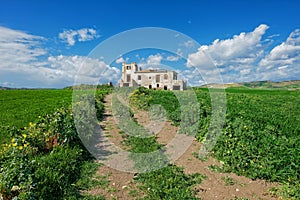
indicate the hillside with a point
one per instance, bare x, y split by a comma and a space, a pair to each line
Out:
291, 85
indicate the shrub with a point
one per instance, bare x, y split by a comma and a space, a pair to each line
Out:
140, 98
55, 171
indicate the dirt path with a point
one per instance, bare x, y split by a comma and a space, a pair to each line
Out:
121, 184
215, 186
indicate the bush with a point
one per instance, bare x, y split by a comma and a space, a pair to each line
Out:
55, 171
140, 98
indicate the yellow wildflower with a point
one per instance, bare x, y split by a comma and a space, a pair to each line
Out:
12, 140
14, 144
24, 135
20, 147
25, 145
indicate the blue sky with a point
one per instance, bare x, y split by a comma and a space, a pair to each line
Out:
44, 43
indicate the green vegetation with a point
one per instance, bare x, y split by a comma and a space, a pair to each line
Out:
228, 180
269, 85
169, 183
260, 139
159, 180
216, 168
19, 107
46, 159
273, 85
261, 134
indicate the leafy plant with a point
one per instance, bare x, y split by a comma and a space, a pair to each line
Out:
228, 180
169, 183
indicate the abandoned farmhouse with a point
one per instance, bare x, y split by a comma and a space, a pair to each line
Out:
132, 75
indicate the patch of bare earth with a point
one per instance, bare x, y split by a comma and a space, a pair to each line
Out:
121, 184
216, 185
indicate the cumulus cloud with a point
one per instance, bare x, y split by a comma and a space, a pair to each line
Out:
24, 63
235, 57
71, 36
283, 61
60, 71
242, 48
84, 69
154, 59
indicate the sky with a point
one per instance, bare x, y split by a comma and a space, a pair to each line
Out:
54, 44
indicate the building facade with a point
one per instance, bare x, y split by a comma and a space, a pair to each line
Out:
132, 75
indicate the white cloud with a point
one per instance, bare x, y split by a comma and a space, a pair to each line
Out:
244, 57
6, 84
24, 63
283, 62
84, 69
173, 58
82, 35
60, 71
121, 60
154, 59
18, 49
189, 44
235, 57
243, 46
87, 34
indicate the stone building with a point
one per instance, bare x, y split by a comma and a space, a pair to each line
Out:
132, 75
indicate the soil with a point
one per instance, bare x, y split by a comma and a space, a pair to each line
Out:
214, 186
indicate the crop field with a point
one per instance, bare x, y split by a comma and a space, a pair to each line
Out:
19, 107
261, 134
260, 139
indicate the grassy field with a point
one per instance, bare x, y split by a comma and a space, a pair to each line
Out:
261, 134
19, 107
260, 137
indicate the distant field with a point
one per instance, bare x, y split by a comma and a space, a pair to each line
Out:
284, 85
19, 107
